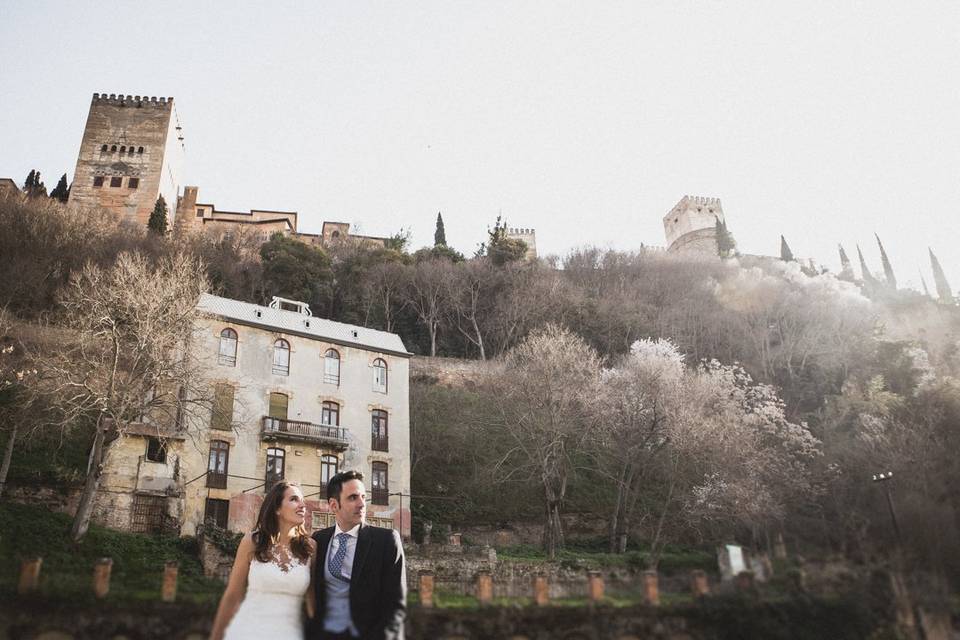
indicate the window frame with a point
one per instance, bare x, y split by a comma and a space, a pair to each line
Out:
327, 461
279, 369
330, 408
271, 405
116, 182
219, 506
379, 492
97, 182
380, 375
221, 414
330, 378
133, 183
215, 478
379, 430
223, 357
274, 453
156, 450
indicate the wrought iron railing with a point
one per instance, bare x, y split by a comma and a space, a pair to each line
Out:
301, 430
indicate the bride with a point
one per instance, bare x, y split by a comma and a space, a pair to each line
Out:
271, 574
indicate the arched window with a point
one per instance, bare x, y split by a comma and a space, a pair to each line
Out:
380, 375
331, 367
123, 148
330, 413
228, 348
335, 234
113, 148
281, 357
103, 149
378, 430
139, 149
275, 468
328, 469
217, 464
379, 486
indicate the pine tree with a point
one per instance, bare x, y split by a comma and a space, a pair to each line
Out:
846, 269
158, 219
785, 254
887, 267
440, 235
940, 280
61, 192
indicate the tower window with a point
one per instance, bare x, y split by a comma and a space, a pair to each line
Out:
113, 149
199, 212
116, 181
133, 183
123, 149
103, 149
139, 149
97, 181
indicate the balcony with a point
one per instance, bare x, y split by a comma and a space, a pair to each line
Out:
379, 442
280, 429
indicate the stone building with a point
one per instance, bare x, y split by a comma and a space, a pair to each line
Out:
690, 226
294, 397
131, 153
529, 237
8, 187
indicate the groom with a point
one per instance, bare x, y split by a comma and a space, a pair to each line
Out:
359, 581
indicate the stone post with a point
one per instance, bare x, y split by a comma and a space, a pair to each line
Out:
169, 591
426, 588
484, 587
29, 575
699, 583
101, 577
427, 528
541, 590
651, 588
744, 581
454, 540
595, 586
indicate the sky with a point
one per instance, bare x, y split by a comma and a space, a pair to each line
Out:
825, 122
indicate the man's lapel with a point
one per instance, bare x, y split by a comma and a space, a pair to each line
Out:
323, 543
364, 540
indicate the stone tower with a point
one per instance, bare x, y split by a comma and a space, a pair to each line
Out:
691, 225
529, 237
131, 153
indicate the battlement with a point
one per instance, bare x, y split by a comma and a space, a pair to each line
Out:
128, 100
701, 200
518, 232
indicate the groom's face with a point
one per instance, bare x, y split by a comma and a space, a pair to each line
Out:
352, 505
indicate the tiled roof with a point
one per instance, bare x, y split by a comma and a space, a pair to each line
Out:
303, 325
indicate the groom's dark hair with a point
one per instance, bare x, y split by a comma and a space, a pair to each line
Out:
335, 484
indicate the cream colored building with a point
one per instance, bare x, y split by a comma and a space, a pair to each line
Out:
294, 397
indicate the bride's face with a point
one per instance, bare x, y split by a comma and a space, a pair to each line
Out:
292, 510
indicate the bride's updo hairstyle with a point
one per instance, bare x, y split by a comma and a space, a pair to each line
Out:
266, 533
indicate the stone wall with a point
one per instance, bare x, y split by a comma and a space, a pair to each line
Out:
454, 372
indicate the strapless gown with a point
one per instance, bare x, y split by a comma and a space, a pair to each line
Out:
273, 603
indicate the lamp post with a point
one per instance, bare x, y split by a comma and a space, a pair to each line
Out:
885, 478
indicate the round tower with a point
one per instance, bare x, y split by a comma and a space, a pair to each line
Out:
690, 226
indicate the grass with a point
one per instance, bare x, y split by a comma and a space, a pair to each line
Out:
674, 559
138, 560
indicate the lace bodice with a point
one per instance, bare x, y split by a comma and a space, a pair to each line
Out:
272, 605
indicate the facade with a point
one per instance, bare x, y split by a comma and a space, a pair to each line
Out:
8, 187
194, 216
131, 153
690, 226
294, 397
528, 236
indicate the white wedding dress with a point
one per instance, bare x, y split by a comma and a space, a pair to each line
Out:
274, 600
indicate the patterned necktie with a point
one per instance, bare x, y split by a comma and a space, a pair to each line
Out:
336, 562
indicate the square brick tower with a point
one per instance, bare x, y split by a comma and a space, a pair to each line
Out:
131, 153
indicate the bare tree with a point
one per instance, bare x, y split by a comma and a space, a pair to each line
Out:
129, 360
426, 293
383, 289
470, 294
545, 392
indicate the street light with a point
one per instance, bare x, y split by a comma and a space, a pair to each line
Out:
885, 477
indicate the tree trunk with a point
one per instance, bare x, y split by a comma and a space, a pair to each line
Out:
476, 329
81, 521
655, 545
433, 339
7, 456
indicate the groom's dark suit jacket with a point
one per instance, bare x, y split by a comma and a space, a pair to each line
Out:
378, 584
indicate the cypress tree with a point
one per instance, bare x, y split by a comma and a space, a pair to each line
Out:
726, 245
940, 280
158, 219
31, 181
887, 267
867, 276
61, 192
846, 269
440, 235
785, 254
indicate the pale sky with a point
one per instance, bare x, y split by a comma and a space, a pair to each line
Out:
587, 121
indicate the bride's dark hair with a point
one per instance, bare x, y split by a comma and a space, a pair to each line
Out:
267, 530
